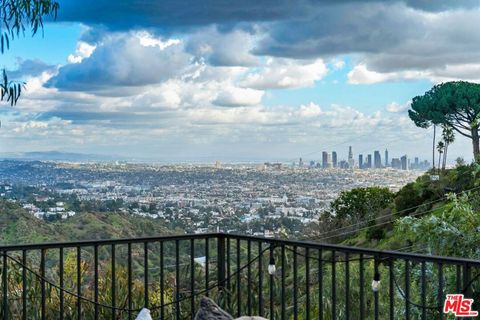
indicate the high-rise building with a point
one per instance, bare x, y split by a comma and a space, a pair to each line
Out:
404, 162
396, 163
386, 158
300, 162
351, 162
369, 161
324, 159
329, 160
360, 161
312, 163
377, 160
334, 159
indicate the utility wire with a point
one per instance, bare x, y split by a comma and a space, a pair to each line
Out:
378, 224
389, 215
401, 211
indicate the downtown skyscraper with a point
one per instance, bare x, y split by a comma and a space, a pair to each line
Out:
377, 160
351, 162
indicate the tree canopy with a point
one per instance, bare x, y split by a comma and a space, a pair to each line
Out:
450, 231
16, 17
455, 104
361, 203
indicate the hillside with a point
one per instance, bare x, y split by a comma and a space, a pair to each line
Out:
17, 226
438, 214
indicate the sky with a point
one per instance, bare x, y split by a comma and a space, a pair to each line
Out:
270, 80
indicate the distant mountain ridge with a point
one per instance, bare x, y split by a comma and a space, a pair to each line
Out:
59, 156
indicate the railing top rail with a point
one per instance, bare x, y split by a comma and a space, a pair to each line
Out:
304, 244
359, 250
91, 243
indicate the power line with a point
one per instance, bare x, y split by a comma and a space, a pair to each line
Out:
395, 213
378, 224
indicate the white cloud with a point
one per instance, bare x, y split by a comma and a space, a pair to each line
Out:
161, 93
34, 127
280, 73
310, 110
149, 40
84, 50
222, 48
395, 107
121, 60
360, 74
236, 97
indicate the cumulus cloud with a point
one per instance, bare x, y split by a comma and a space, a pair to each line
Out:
286, 73
199, 75
148, 40
222, 48
360, 74
388, 37
121, 60
236, 97
84, 50
395, 107
40, 127
394, 40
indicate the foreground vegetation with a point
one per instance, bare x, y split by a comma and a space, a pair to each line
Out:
437, 214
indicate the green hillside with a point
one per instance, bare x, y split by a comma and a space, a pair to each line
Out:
18, 226
438, 214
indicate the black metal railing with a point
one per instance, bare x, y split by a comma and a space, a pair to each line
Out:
277, 279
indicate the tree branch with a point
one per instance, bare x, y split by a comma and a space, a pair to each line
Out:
461, 132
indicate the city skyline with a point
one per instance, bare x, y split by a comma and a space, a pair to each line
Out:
373, 159
165, 82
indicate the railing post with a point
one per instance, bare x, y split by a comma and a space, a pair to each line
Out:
221, 262
467, 288
5, 285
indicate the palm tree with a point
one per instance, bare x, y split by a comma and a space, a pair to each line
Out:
449, 138
433, 145
440, 148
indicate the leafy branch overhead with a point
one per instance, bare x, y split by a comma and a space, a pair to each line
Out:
18, 16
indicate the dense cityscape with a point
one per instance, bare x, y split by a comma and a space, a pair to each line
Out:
261, 199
